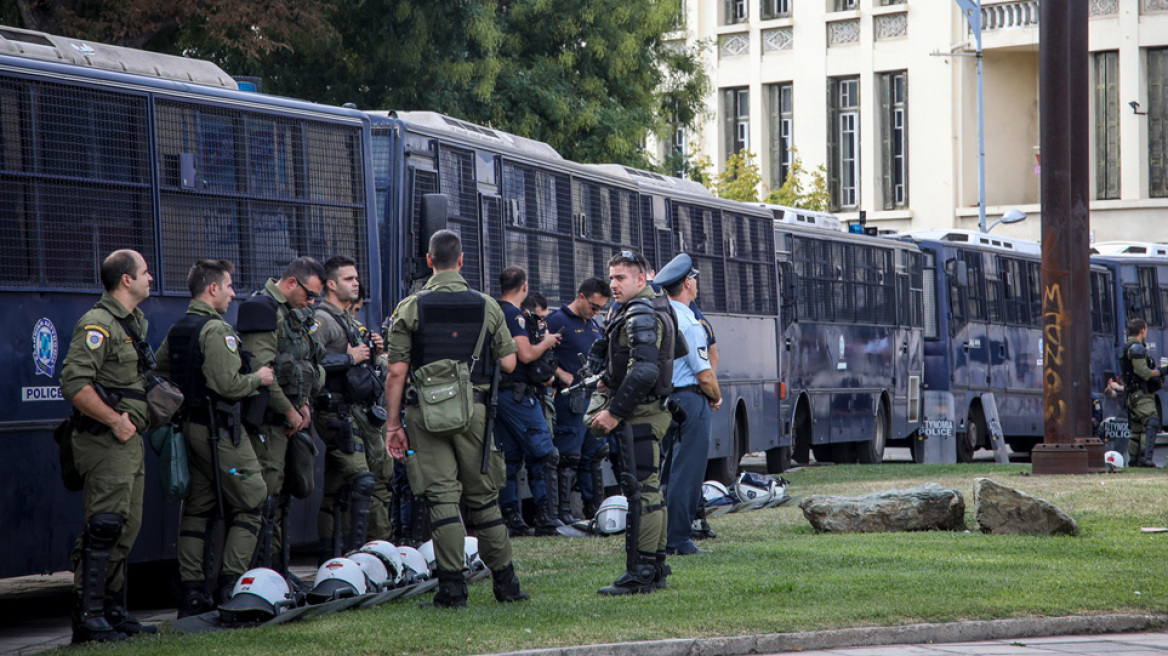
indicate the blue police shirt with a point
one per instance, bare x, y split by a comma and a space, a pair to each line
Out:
517, 324
686, 369
576, 337
710, 339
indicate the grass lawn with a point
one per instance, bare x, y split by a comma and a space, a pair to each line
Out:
769, 572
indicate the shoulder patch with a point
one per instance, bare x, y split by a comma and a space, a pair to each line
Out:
704, 353
314, 327
232, 343
100, 329
521, 322
94, 339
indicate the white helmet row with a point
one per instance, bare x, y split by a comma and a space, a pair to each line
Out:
389, 556
414, 567
259, 594
474, 562
337, 578
377, 576
611, 516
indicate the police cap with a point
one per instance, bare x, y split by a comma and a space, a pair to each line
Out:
679, 268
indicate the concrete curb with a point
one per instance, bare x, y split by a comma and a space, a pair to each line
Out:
870, 636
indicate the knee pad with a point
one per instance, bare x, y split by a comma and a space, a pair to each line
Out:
363, 484
104, 529
552, 459
570, 459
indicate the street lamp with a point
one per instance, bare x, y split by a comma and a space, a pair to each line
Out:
1011, 216
971, 9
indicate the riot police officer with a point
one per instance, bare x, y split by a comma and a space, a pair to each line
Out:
376, 458
347, 404
201, 355
1141, 380
103, 379
641, 342
448, 322
276, 326
524, 428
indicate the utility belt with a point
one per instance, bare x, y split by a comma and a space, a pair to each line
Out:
335, 403
110, 396
521, 390
411, 397
226, 417
696, 389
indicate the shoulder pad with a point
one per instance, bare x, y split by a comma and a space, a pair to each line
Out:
639, 305
1137, 350
258, 314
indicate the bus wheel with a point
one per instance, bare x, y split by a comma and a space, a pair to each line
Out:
872, 451
974, 434
726, 469
778, 459
827, 453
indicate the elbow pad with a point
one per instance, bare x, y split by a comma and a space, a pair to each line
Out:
641, 379
335, 363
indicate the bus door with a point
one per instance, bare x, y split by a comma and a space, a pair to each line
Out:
1000, 340
970, 342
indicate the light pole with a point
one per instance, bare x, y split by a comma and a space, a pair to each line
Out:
971, 9
1011, 216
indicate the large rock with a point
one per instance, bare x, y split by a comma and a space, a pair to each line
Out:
923, 508
1001, 509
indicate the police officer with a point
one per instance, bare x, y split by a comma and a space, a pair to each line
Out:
642, 344
201, 355
695, 389
580, 452
351, 390
275, 326
375, 456
103, 379
1141, 380
441, 323
524, 427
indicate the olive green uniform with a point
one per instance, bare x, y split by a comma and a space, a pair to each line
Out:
240, 478
447, 470
377, 459
1141, 406
340, 468
294, 358
114, 472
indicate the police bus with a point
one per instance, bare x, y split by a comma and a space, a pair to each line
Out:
983, 342
1139, 279
517, 202
104, 148
851, 356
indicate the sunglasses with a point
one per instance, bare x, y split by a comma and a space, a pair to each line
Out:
596, 308
312, 296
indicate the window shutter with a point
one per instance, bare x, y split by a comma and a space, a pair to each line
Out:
775, 128
728, 12
833, 172
1157, 116
886, 125
728, 122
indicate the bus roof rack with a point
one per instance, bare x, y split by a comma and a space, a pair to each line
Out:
802, 217
977, 239
1130, 248
651, 179
449, 124
90, 54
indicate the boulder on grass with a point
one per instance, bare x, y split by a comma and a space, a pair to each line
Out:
925, 508
1004, 510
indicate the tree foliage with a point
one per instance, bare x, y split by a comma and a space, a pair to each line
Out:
591, 77
794, 192
740, 178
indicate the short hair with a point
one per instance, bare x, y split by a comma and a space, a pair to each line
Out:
118, 264
630, 258
511, 279
673, 290
445, 247
336, 263
534, 301
1135, 325
205, 272
303, 269
593, 286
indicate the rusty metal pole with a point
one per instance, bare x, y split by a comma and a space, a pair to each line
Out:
1064, 96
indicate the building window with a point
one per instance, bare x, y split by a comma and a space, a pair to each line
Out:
889, 3
781, 132
1106, 67
894, 137
736, 109
1158, 122
677, 149
845, 5
678, 22
844, 142
775, 8
735, 11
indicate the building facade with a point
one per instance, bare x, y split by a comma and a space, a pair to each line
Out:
883, 93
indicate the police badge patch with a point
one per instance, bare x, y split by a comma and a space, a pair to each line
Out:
232, 344
521, 322
704, 353
94, 339
44, 347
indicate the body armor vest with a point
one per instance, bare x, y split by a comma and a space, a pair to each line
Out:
297, 355
357, 384
448, 327
543, 367
186, 359
1132, 382
671, 347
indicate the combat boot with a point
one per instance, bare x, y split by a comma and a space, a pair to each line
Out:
89, 626
89, 617
640, 579
545, 523
567, 478
451, 592
194, 601
661, 571
506, 586
516, 527
223, 588
120, 619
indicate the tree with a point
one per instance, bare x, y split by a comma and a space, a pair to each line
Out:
740, 178
792, 192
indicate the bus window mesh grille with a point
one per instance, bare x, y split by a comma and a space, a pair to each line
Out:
457, 171
75, 177
538, 230
495, 254
607, 221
